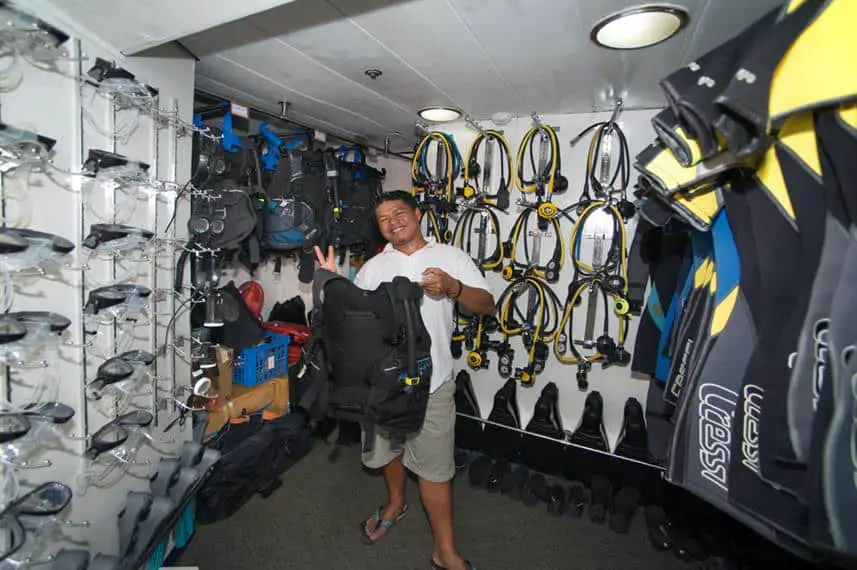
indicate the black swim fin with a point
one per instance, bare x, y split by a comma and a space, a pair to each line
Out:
497, 441
634, 439
539, 453
468, 432
590, 432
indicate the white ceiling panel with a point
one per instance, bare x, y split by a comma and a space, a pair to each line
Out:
283, 65
431, 37
353, 52
534, 45
483, 56
132, 26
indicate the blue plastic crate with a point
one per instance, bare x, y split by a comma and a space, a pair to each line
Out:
262, 362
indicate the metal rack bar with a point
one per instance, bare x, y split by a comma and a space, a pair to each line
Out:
564, 442
76, 50
286, 121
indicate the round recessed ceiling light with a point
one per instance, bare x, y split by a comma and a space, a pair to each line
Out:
439, 114
639, 27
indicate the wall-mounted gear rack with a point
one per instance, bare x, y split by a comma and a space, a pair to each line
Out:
564, 442
216, 109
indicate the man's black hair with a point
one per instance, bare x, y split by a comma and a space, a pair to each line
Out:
400, 195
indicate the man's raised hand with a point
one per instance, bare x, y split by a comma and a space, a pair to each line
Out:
326, 262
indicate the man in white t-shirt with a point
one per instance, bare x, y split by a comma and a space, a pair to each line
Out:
446, 274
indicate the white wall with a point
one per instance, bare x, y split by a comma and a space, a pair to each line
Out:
615, 384
50, 104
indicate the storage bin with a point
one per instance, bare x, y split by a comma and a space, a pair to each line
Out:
262, 362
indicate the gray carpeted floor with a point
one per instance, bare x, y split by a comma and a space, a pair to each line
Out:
312, 522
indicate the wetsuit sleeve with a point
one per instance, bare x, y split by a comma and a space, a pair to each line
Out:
467, 272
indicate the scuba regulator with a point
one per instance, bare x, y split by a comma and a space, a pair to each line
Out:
474, 170
545, 180
606, 275
537, 327
434, 187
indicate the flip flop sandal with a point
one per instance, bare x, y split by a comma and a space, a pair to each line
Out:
385, 524
467, 563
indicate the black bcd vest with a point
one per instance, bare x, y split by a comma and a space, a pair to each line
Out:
369, 359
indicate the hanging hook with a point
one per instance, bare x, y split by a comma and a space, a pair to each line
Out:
616, 110
28, 465
473, 124
20, 364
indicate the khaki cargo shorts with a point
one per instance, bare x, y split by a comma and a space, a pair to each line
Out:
428, 453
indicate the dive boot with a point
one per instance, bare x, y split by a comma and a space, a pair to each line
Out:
576, 500
538, 453
535, 490
499, 471
659, 528
590, 433
633, 440
599, 499
468, 432
623, 508
480, 470
516, 483
556, 499
462, 459
499, 442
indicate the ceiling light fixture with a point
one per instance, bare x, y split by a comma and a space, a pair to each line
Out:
439, 114
639, 27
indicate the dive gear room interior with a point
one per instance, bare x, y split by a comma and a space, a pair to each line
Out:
248, 246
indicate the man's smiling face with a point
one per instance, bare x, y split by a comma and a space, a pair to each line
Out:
398, 222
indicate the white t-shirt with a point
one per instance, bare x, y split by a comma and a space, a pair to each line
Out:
436, 313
